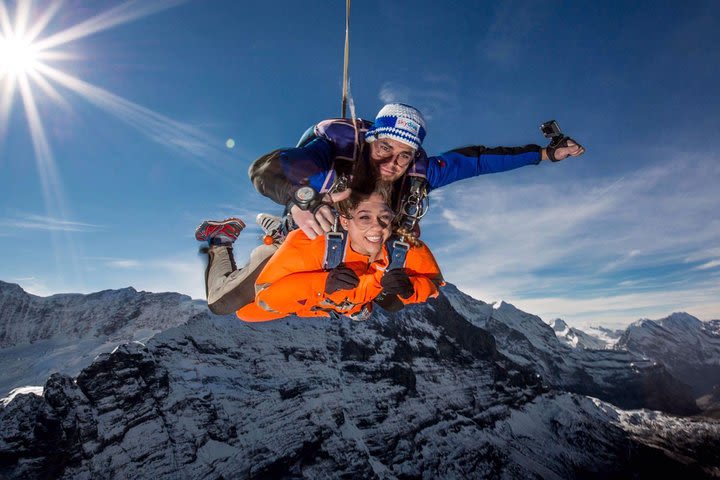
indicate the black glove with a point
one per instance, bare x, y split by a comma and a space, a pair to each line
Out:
388, 302
559, 142
341, 278
397, 282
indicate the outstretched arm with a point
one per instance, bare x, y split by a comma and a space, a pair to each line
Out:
468, 162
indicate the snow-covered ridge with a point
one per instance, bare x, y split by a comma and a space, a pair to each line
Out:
595, 338
686, 346
64, 333
26, 318
455, 388
421, 393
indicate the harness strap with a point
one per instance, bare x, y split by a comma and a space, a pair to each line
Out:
334, 250
397, 253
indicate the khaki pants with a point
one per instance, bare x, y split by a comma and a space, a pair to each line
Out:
228, 289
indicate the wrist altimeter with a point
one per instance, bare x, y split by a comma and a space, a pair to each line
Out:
306, 198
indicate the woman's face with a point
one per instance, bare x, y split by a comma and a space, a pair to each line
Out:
369, 226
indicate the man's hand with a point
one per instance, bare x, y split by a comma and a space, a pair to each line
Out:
314, 224
572, 149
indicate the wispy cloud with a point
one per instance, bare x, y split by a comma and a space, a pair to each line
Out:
619, 310
124, 264
40, 222
709, 265
432, 94
544, 246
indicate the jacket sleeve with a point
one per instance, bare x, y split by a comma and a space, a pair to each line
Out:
469, 162
293, 278
278, 174
424, 274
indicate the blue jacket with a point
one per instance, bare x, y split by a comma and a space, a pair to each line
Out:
277, 174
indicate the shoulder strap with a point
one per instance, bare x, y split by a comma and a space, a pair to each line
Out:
334, 250
397, 253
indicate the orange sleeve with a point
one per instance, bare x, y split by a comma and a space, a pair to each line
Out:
293, 279
424, 274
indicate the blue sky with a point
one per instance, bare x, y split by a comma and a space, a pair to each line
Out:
109, 163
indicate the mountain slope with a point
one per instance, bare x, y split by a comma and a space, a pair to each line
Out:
687, 347
597, 339
64, 333
422, 394
620, 377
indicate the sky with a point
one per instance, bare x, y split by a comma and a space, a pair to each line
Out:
139, 119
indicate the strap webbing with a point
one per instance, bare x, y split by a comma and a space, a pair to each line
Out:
397, 251
334, 249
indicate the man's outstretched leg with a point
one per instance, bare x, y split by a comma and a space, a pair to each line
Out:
227, 287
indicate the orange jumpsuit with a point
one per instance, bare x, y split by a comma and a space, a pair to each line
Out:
293, 281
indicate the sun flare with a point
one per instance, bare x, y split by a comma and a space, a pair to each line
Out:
18, 56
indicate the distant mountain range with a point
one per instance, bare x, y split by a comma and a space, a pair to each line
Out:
455, 388
595, 338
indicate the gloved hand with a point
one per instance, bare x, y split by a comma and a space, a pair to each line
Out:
341, 278
397, 282
567, 147
321, 220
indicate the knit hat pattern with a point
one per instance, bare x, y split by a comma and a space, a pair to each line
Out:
399, 122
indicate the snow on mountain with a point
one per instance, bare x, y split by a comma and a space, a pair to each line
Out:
577, 338
620, 377
418, 394
686, 346
455, 388
64, 333
605, 335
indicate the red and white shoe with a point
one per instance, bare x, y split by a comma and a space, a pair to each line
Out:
221, 232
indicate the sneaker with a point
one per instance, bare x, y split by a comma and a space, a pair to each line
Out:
219, 232
272, 228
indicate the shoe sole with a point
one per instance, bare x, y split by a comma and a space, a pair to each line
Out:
201, 234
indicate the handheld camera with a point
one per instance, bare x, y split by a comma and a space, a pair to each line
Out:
551, 130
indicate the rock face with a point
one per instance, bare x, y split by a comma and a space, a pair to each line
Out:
64, 333
687, 347
428, 392
117, 314
620, 377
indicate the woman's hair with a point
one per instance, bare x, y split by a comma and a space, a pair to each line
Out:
383, 189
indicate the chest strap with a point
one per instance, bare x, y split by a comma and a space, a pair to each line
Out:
334, 250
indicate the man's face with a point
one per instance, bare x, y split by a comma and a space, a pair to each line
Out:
391, 158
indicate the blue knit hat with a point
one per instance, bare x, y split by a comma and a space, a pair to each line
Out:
400, 122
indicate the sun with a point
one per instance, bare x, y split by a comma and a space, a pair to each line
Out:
18, 56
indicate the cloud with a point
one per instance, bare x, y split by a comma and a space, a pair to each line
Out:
431, 94
617, 311
124, 264
40, 222
173, 274
709, 265
542, 244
